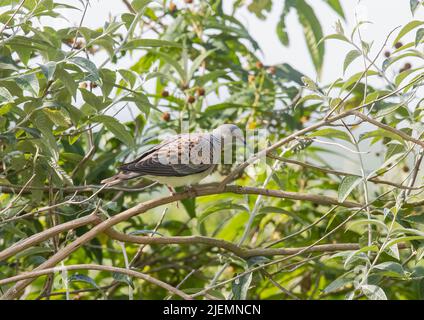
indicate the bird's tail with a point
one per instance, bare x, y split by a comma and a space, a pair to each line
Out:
118, 178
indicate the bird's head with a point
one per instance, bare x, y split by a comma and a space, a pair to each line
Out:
228, 131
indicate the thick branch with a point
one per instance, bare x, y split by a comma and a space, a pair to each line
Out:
47, 234
132, 273
229, 246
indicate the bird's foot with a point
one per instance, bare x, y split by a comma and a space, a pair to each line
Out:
191, 190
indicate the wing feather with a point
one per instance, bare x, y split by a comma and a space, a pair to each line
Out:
166, 158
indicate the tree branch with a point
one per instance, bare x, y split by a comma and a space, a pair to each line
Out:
229, 246
385, 127
36, 273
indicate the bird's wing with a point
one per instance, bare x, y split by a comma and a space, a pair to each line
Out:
185, 155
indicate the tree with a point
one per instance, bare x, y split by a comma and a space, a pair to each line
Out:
293, 227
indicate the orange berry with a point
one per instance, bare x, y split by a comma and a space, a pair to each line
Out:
259, 65
191, 99
166, 116
172, 7
200, 92
83, 85
188, 1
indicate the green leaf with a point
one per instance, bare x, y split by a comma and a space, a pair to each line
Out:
139, 5
309, 83
363, 222
335, 36
392, 149
258, 6
91, 99
67, 81
350, 57
358, 77
5, 95
83, 278
58, 117
346, 186
29, 82
373, 292
419, 36
336, 6
241, 286
108, 80
120, 277
393, 269
174, 63
413, 4
48, 69
313, 33
309, 97
32, 251
88, 66
379, 134
197, 62
402, 239
149, 43
281, 26
354, 254
339, 283
407, 28
116, 128
331, 133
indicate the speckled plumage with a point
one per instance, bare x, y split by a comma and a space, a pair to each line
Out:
181, 160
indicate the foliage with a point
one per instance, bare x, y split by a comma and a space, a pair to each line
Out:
63, 93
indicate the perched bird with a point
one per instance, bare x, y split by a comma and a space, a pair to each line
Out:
181, 160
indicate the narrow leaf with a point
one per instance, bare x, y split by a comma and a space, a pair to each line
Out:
346, 186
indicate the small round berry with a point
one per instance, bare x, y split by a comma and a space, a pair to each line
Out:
200, 92
184, 86
405, 169
398, 45
407, 66
304, 119
387, 54
78, 45
259, 65
172, 7
191, 99
188, 1
83, 85
166, 116
164, 93
93, 85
